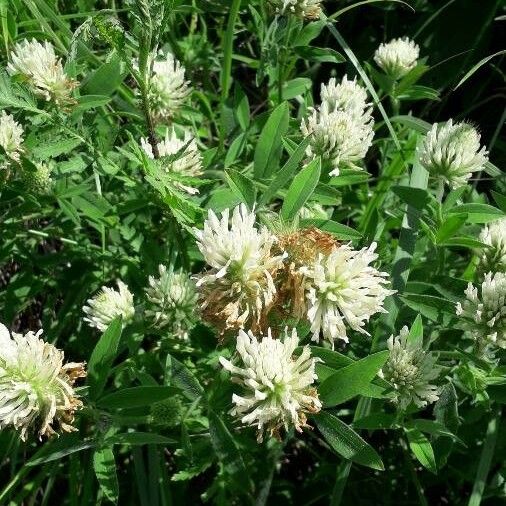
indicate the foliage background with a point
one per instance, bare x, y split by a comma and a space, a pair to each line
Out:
103, 221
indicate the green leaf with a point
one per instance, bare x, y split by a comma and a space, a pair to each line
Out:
136, 397
269, 146
463, 242
183, 379
226, 449
300, 190
422, 449
375, 421
338, 230
434, 308
416, 332
331, 358
286, 172
478, 213
59, 448
55, 148
351, 380
348, 177
241, 108
295, 87
319, 54
105, 471
346, 442
418, 198
87, 102
450, 225
106, 79
139, 438
102, 357
242, 186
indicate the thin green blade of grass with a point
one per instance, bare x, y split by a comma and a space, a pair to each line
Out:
485, 462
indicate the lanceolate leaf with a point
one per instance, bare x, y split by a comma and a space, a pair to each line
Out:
346, 442
351, 380
301, 189
102, 358
105, 470
422, 449
269, 147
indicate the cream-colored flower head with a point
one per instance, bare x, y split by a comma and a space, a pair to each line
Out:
451, 152
493, 257
277, 385
181, 156
239, 286
348, 96
338, 136
109, 304
344, 290
36, 388
410, 370
173, 301
168, 89
11, 136
38, 64
397, 57
483, 312
305, 9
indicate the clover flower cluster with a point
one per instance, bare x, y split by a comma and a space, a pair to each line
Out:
483, 312
168, 89
42, 70
109, 304
493, 257
451, 153
239, 287
11, 136
178, 156
341, 128
277, 384
397, 57
410, 370
301, 274
304, 9
36, 387
172, 299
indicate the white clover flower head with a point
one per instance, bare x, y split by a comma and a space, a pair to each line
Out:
338, 136
397, 57
451, 152
494, 236
239, 286
38, 181
36, 388
343, 289
173, 301
11, 136
347, 95
109, 304
277, 385
483, 312
409, 369
38, 64
168, 89
305, 9
181, 156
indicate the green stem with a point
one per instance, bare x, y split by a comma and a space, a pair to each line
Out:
485, 460
228, 47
